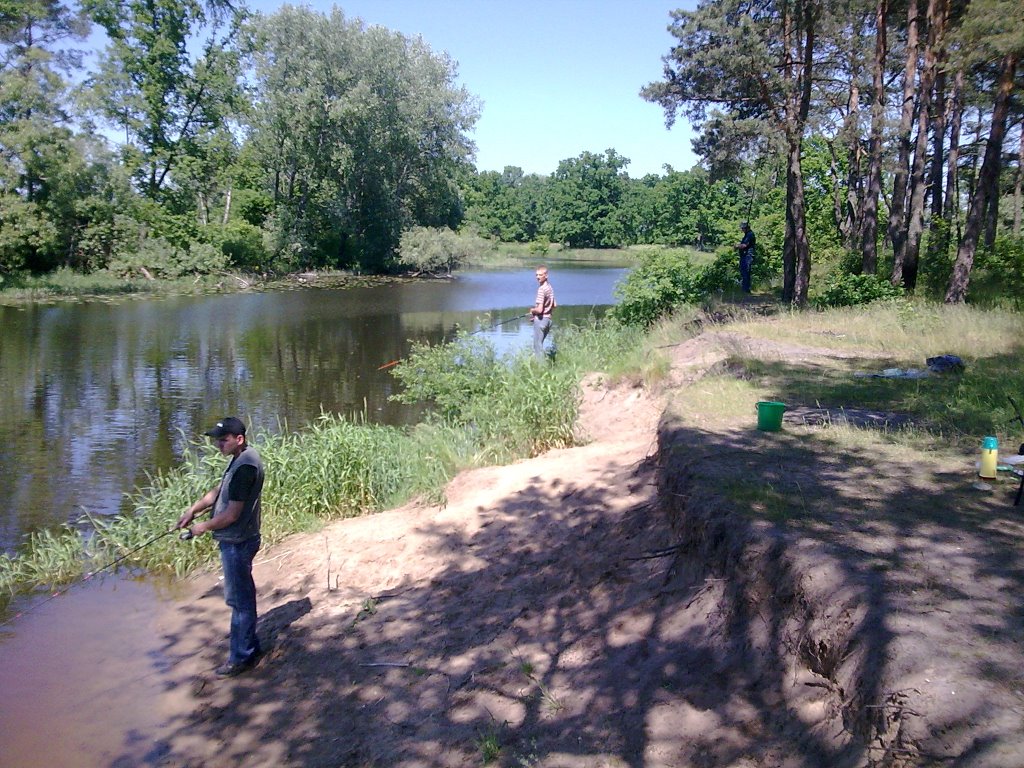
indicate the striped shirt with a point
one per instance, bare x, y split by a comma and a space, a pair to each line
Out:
545, 300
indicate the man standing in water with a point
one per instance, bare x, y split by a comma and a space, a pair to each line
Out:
541, 311
236, 528
746, 249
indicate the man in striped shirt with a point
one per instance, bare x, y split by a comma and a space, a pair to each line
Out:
541, 311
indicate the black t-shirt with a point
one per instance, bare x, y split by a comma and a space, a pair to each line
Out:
748, 240
241, 482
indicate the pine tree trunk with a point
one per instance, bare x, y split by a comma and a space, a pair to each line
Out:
789, 245
956, 108
987, 182
918, 186
939, 112
869, 216
1017, 185
847, 214
797, 208
898, 204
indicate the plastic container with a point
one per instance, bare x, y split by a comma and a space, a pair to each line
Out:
769, 415
989, 458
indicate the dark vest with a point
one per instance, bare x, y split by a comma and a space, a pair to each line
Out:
248, 523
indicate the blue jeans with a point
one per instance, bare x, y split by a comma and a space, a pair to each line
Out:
240, 595
541, 328
746, 262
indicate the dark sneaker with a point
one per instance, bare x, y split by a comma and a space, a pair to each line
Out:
233, 670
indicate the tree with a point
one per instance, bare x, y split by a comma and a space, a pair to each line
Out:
757, 63
585, 194
505, 205
36, 146
362, 133
906, 257
166, 101
898, 203
992, 32
869, 216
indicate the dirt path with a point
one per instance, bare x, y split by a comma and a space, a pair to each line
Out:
589, 607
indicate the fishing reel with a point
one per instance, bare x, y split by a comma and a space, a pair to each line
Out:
186, 534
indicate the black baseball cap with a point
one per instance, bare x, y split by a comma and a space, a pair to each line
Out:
227, 426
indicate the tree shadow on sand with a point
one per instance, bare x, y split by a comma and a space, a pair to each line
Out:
780, 599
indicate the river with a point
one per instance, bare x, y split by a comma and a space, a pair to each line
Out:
95, 394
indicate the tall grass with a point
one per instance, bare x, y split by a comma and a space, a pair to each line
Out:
486, 410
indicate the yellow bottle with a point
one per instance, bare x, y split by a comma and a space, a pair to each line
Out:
989, 458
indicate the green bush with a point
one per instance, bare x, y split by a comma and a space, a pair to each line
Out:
159, 258
426, 249
936, 265
511, 405
722, 274
663, 280
242, 245
845, 290
540, 246
999, 274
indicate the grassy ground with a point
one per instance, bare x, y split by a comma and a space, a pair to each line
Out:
959, 408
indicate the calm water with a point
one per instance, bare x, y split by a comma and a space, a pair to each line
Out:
94, 395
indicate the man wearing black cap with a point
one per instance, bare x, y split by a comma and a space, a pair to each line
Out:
235, 523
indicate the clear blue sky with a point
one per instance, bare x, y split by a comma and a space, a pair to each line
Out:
556, 77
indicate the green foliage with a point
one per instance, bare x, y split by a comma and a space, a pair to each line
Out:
585, 194
154, 90
159, 258
241, 244
540, 246
999, 273
662, 281
508, 206
936, 264
589, 202
25, 233
425, 249
666, 279
721, 274
396, 120
511, 405
842, 289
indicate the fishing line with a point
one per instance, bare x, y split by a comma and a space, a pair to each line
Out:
87, 576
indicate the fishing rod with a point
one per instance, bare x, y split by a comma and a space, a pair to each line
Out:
496, 325
186, 534
478, 330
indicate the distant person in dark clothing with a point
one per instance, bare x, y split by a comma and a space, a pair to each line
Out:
235, 524
746, 249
